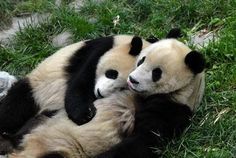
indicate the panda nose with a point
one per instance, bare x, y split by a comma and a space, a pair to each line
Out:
132, 80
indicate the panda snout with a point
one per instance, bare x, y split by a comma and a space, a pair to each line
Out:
133, 81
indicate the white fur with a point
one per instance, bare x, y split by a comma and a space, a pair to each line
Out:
107, 86
48, 78
169, 56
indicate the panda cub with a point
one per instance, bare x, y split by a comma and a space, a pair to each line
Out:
169, 80
41, 94
168, 83
117, 59
46, 87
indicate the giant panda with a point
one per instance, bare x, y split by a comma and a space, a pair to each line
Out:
44, 88
166, 86
169, 79
41, 94
47, 83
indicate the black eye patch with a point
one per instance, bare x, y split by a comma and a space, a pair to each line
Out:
112, 74
141, 61
156, 74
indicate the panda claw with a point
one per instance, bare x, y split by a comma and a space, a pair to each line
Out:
92, 112
86, 117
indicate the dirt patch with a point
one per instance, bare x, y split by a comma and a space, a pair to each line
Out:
20, 23
203, 38
62, 39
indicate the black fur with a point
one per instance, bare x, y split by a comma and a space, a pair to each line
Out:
174, 33
31, 124
112, 74
152, 39
52, 155
81, 79
141, 61
17, 107
156, 74
195, 62
158, 120
5, 145
10, 142
136, 46
49, 113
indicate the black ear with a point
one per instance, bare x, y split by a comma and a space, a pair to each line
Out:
195, 61
136, 46
174, 33
152, 39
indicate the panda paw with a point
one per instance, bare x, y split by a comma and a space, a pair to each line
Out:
5, 146
84, 117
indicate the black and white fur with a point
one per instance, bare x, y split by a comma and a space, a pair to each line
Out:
127, 124
43, 91
121, 60
170, 78
80, 94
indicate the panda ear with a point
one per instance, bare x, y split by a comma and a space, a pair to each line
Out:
195, 61
136, 46
152, 39
174, 33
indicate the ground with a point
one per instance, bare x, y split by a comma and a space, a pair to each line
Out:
213, 131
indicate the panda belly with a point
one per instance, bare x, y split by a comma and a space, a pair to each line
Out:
115, 116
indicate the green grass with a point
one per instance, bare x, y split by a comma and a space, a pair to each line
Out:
207, 137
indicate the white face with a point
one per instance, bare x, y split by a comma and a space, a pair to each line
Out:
161, 68
113, 70
108, 83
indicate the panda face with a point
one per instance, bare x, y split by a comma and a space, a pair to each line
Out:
162, 68
108, 83
113, 70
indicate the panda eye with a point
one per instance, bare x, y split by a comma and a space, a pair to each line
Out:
112, 74
141, 61
156, 74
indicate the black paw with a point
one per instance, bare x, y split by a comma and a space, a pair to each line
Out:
82, 117
5, 146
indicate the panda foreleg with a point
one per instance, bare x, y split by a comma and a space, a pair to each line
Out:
78, 109
79, 100
17, 107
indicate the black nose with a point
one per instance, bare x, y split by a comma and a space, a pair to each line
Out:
132, 80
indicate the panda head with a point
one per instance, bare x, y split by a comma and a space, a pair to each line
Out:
165, 67
114, 67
